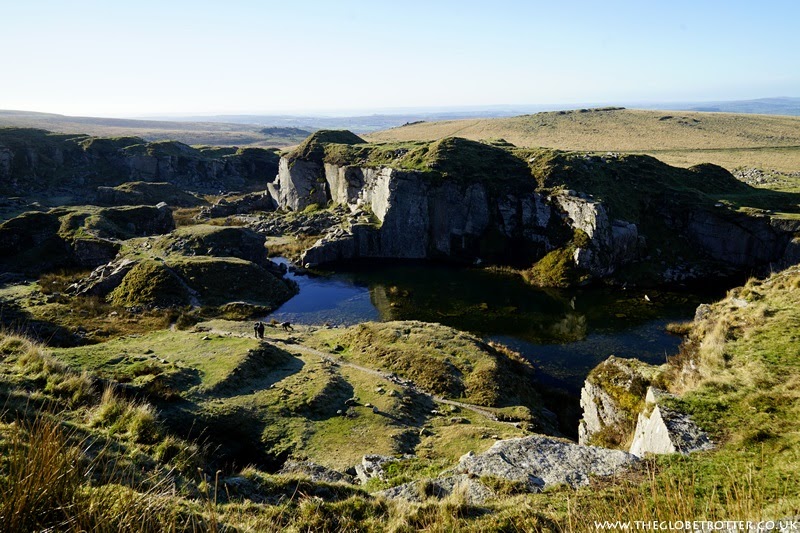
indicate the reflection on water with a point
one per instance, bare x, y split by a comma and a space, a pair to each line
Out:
564, 332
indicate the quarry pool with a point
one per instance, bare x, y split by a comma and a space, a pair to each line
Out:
565, 333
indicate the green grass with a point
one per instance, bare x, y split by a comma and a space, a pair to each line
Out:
683, 139
741, 386
191, 359
442, 361
150, 283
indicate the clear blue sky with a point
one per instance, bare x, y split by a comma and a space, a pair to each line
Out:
136, 58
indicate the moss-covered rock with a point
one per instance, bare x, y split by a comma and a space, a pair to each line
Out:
222, 280
146, 193
215, 241
150, 283
612, 397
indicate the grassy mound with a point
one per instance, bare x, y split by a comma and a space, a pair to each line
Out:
150, 283
222, 280
314, 146
677, 137
215, 241
441, 360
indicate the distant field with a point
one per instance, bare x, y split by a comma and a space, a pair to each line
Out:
192, 133
676, 137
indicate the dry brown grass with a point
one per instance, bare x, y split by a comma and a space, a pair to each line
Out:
685, 139
290, 247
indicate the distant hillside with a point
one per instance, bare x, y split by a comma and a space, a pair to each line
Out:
764, 106
676, 137
192, 133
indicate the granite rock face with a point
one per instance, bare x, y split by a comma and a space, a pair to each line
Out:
462, 209
665, 430
535, 462
741, 241
404, 214
610, 398
35, 161
542, 462
611, 243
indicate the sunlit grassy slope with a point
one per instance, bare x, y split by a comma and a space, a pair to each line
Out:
676, 137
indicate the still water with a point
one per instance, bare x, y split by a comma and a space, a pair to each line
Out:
565, 333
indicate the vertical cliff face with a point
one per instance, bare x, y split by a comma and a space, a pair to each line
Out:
567, 218
413, 216
37, 161
610, 243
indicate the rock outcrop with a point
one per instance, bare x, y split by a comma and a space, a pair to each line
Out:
664, 430
740, 240
611, 397
224, 207
404, 214
371, 466
473, 490
36, 160
589, 215
144, 193
534, 463
315, 472
610, 243
86, 237
618, 392
542, 462
224, 267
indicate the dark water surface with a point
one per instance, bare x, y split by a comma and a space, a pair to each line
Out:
565, 333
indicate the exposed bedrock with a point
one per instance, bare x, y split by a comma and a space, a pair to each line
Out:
512, 219
406, 214
622, 409
533, 463
36, 161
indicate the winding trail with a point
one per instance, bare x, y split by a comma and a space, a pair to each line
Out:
291, 345
388, 376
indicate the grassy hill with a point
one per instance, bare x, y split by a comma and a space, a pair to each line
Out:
193, 133
676, 137
151, 431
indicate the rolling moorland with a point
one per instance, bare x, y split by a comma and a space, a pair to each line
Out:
135, 394
215, 133
676, 137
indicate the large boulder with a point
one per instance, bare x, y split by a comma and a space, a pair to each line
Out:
612, 396
541, 462
530, 464
662, 430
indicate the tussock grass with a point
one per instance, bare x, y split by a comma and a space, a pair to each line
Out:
120, 416
46, 484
